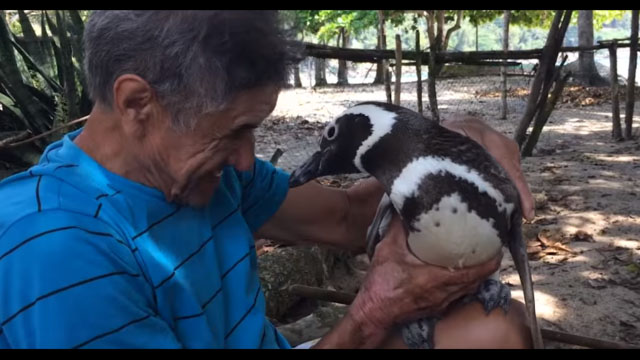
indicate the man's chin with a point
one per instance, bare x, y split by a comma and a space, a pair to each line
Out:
197, 195
199, 199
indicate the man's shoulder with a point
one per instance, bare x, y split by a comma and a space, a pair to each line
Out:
36, 193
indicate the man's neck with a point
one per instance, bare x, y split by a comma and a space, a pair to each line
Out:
104, 140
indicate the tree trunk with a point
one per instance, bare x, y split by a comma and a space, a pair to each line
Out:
70, 88
543, 116
398, 79
587, 71
320, 72
387, 81
76, 30
434, 68
451, 30
379, 79
32, 44
297, 82
33, 111
631, 79
56, 50
419, 73
343, 72
536, 85
503, 70
46, 44
477, 38
545, 74
616, 131
32, 65
385, 63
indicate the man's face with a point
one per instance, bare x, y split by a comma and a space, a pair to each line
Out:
194, 159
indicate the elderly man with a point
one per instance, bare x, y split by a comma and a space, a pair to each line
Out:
137, 231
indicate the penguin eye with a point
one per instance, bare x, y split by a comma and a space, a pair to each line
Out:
331, 133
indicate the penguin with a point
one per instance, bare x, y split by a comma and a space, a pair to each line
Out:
458, 204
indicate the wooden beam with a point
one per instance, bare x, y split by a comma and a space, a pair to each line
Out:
375, 55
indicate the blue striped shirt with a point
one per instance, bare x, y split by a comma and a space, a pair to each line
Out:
89, 259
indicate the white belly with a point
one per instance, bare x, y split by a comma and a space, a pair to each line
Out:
452, 236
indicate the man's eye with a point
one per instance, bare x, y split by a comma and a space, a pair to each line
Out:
242, 133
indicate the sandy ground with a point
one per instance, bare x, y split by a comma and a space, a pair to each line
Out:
585, 239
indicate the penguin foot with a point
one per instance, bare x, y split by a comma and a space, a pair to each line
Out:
492, 294
419, 334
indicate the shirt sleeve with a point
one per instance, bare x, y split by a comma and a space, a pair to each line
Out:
264, 188
68, 281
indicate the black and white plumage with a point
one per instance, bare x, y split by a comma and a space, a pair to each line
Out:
457, 202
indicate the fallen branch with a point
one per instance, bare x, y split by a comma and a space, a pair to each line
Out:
547, 334
17, 137
337, 297
2, 144
553, 244
584, 341
276, 156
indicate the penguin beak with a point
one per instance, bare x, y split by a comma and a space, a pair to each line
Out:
309, 170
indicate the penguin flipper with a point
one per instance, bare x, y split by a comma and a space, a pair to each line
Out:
379, 225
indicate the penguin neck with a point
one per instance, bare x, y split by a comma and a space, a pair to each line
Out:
388, 168
387, 159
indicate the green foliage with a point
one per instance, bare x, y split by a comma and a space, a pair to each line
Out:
41, 73
533, 18
602, 17
352, 21
528, 28
325, 25
479, 17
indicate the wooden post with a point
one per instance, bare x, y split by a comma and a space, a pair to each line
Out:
398, 79
419, 72
503, 69
387, 80
476, 37
631, 79
386, 74
616, 132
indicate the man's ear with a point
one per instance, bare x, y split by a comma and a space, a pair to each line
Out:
135, 102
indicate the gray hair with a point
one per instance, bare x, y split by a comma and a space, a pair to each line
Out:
195, 61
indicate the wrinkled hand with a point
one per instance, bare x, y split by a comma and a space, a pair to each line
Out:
363, 199
399, 287
503, 149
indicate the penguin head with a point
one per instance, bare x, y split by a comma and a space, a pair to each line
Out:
344, 141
